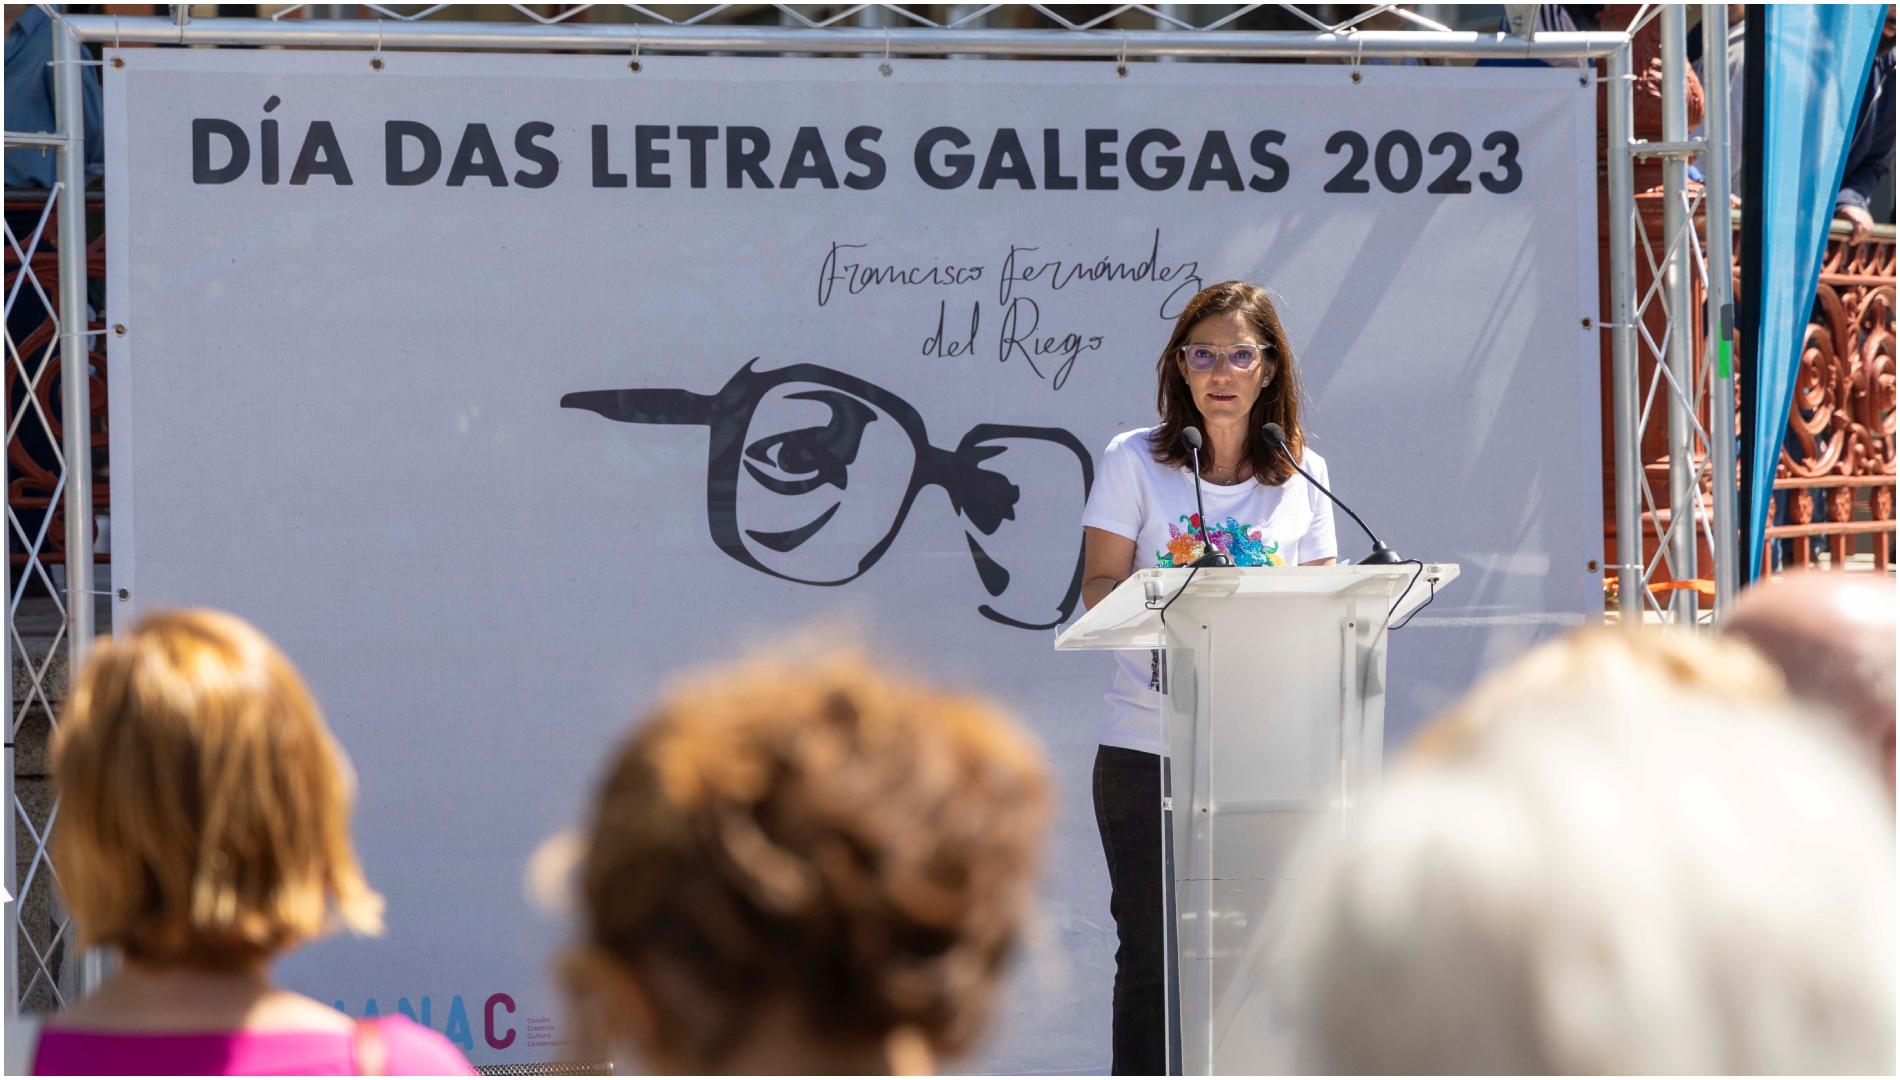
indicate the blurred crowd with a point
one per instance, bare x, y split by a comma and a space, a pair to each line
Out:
1629, 851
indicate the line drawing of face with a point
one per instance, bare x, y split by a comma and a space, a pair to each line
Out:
811, 474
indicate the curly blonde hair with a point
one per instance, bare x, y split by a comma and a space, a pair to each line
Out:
820, 834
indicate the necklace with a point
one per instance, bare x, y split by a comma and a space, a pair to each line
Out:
1229, 474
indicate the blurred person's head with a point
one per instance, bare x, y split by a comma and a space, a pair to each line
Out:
1832, 636
1669, 882
1626, 666
204, 806
806, 866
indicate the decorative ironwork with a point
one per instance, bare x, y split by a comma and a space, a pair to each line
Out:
1835, 480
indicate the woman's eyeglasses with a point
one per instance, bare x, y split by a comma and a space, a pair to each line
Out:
1239, 357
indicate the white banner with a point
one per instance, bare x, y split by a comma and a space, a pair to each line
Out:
497, 388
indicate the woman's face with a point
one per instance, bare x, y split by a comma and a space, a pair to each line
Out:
1223, 394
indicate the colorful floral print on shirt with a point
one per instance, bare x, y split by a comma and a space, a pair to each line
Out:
1241, 543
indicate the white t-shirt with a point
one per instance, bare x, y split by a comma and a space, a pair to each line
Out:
1255, 523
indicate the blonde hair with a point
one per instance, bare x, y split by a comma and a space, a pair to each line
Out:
1622, 665
816, 834
204, 806
1691, 884
1624, 853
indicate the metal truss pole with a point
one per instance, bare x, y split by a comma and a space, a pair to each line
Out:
75, 372
11, 928
908, 40
15, 905
1622, 404
1679, 356
10, 988
74, 348
1721, 309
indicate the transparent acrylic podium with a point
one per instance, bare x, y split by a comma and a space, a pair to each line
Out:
1275, 716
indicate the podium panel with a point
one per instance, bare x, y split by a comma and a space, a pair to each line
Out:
1274, 709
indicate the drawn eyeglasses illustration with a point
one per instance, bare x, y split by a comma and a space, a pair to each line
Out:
811, 474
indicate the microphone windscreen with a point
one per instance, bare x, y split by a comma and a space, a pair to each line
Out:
1275, 432
1192, 436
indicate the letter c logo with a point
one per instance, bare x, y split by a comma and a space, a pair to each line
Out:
488, 1021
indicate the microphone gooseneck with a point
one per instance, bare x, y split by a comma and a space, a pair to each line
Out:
1210, 556
1381, 555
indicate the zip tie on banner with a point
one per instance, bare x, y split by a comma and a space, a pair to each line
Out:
633, 62
1358, 54
61, 20
376, 58
884, 66
1121, 59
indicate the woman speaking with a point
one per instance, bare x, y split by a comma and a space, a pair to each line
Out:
1226, 371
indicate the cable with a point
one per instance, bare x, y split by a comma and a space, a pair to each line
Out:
1192, 570
1413, 614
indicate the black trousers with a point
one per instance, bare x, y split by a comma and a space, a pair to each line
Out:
1128, 792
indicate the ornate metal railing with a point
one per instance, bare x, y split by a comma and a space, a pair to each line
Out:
1835, 482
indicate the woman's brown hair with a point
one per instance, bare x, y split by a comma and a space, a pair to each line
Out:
815, 834
1279, 400
204, 806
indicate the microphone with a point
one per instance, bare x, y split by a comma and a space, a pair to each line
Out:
1381, 555
1210, 556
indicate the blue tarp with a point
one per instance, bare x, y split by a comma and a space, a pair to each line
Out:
1815, 70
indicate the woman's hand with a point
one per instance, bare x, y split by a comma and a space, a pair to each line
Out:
1107, 561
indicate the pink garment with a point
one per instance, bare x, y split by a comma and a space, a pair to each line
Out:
409, 1049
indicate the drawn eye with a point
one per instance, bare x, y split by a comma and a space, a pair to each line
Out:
804, 459
796, 460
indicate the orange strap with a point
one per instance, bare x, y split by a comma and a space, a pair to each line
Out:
1705, 586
